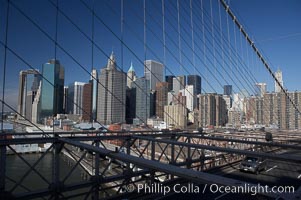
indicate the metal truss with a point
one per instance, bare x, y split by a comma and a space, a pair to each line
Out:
115, 163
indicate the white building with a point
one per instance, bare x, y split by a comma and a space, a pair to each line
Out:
178, 83
176, 116
153, 71
238, 100
75, 98
261, 89
228, 100
191, 99
131, 76
170, 96
36, 105
278, 75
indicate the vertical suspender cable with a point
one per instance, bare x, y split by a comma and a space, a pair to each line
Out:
212, 35
221, 36
55, 56
93, 117
4, 63
121, 49
179, 38
195, 92
163, 34
3, 148
203, 34
148, 91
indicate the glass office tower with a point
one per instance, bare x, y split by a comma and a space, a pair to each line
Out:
52, 93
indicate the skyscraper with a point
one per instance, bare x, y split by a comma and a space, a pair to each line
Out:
111, 94
52, 92
169, 80
212, 110
130, 105
87, 102
65, 102
29, 81
75, 98
131, 76
191, 97
161, 98
196, 81
176, 113
179, 83
228, 90
261, 89
141, 86
153, 71
94, 80
278, 76
36, 105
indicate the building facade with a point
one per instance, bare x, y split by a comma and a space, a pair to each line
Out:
196, 81
131, 76
52, 92
212, 110
29, 81
111, 94
153, 72
94, 80
169, 80
179, 83
261, 89
191, 97
176, 114
142, 100
75, 98
228, 90
161, 98
87, 102
278, 76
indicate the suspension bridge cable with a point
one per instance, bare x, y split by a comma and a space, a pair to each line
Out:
50, 38
128, 47
97, 17
238, 58
4, 63
241, 83
251, 43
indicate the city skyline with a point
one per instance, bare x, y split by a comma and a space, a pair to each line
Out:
116, 99
281, 59
32, 97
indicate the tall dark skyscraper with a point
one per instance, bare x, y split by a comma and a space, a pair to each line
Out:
130, 104
52, 93
196, 81
227, 89
169, 79
161, 98
87, 101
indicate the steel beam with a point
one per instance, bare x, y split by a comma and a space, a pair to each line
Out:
194, 176
270, 144
16, 141
2, 168
227, 150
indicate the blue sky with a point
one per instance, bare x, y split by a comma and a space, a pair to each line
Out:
274, 25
